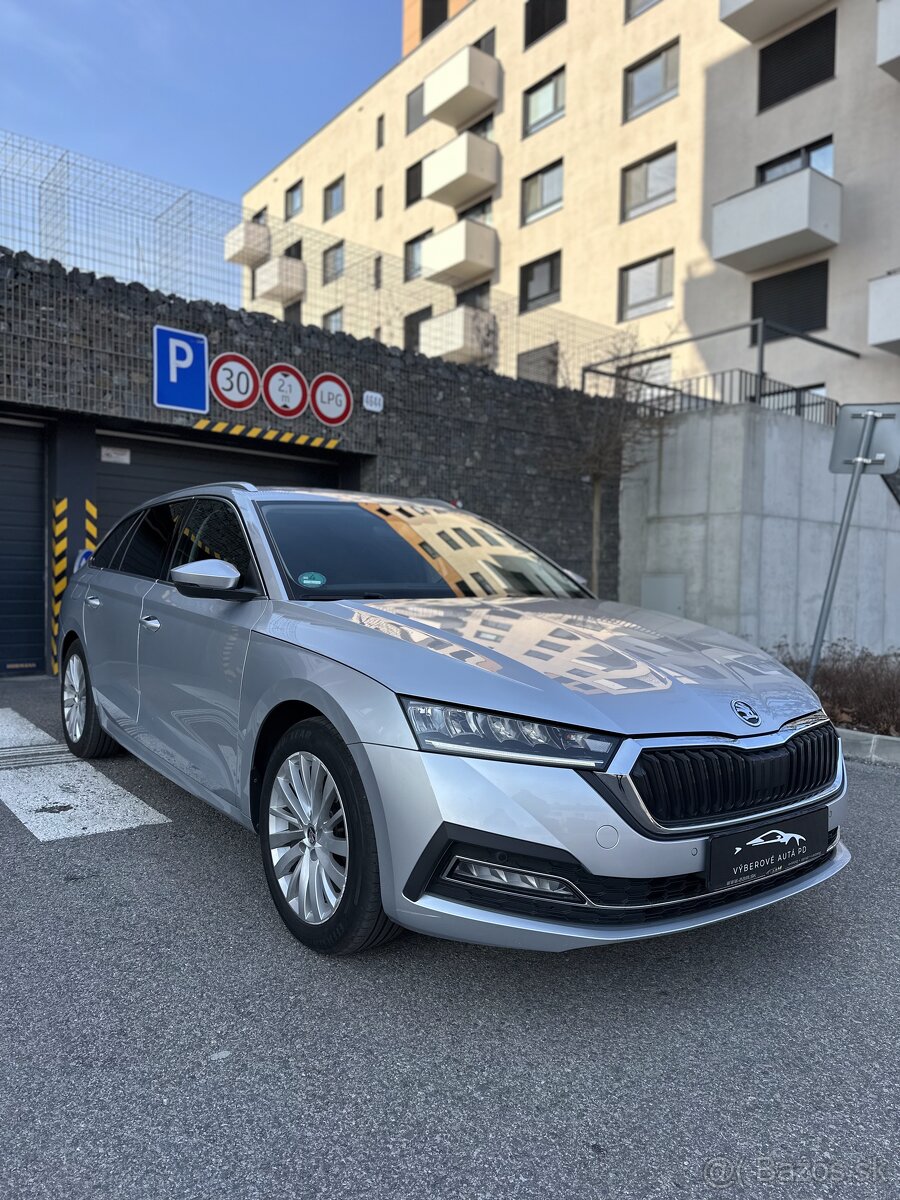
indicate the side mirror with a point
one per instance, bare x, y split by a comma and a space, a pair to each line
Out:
209, 577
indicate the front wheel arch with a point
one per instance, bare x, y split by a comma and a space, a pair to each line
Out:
282, 717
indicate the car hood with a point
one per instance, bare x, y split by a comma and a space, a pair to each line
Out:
581, 662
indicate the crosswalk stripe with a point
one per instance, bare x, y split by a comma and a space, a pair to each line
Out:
66, 797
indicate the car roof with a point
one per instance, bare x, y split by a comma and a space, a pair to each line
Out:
233, 489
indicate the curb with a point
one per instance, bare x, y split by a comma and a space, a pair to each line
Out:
870, 747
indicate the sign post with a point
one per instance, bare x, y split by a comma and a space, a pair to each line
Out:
875, 452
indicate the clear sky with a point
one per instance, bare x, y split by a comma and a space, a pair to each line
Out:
206, 94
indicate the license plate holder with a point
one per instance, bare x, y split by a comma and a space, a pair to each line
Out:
769, 848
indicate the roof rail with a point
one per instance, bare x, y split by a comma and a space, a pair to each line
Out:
239, 483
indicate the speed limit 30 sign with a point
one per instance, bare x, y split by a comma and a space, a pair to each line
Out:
331, 399
234, 381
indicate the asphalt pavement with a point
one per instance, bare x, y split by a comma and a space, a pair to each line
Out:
162, 1035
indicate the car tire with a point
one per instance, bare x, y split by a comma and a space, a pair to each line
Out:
318, 843
80, 721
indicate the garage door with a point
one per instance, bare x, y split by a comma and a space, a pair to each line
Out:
23, 516
131, 470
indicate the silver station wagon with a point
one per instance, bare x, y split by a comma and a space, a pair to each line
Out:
432, 726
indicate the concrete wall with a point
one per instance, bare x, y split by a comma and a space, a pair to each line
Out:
731, 518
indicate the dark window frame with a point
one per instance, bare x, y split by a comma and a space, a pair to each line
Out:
433, 14
647, 207
645, 6
328, 191
664, 97
379, 131
556, 115
331, 313
531, 7
554, 294
415, 321
808, 274
328, 276
418, 240
379, 202
486, 40
415, 111
804, 152
294, 189
547, 210
623, 276
413, 185
776, 60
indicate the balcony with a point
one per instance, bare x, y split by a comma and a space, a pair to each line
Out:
247, 244
462, 88
787, 218
888, 38
461, 254
281, 279
461, 171
756, 19
462, 335
884, 313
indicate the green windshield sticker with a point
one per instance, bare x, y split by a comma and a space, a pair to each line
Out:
311, 579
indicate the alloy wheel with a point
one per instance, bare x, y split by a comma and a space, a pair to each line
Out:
74, 698
308, 837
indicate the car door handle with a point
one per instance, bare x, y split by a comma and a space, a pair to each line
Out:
93, 601
150, 623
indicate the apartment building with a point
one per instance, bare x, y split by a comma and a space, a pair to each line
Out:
566, 180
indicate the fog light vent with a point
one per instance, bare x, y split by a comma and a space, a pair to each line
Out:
510, 879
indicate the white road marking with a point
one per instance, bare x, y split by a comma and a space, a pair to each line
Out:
63, 800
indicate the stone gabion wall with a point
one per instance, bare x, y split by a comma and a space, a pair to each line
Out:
509, 449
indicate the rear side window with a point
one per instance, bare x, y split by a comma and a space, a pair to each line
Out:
148, 550
106, 551
213, 530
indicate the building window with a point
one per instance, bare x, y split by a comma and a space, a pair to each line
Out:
376, 272
649, 184
379, 202
545, 102
797, 62
478, 297
483, 128
796, 299
413, 183
294, 250
541, 16
333, 322
379, 131
818, 155
483, 211
434, 14
412, 325
634, 8
253, 283
334, 199
487, 43
293, 313
261, 217
542, 193
651, 81
646, 287
539, 282
415, 108
412, 256
540, 365
376, 333
646, 380
293, 200
333, 263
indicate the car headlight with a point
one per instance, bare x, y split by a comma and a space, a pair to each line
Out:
452, 730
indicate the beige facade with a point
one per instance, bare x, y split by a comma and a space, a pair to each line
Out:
724, 232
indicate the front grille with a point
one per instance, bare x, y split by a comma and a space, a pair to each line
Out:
699, 784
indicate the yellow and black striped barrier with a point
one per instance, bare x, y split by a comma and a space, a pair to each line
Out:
59, 548
90, 525
277, 437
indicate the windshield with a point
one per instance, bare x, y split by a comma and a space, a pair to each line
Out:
372, 549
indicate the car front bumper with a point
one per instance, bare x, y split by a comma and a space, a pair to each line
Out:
423, 801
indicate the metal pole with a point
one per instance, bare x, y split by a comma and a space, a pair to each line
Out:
860, 463
760, 357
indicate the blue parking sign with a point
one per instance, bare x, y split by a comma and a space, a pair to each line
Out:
180, 370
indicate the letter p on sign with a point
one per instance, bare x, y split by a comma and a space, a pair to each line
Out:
180, 362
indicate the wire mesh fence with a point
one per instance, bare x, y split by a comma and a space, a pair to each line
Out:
60, 205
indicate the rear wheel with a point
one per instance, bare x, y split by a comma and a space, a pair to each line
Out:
81, 723
318, 843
